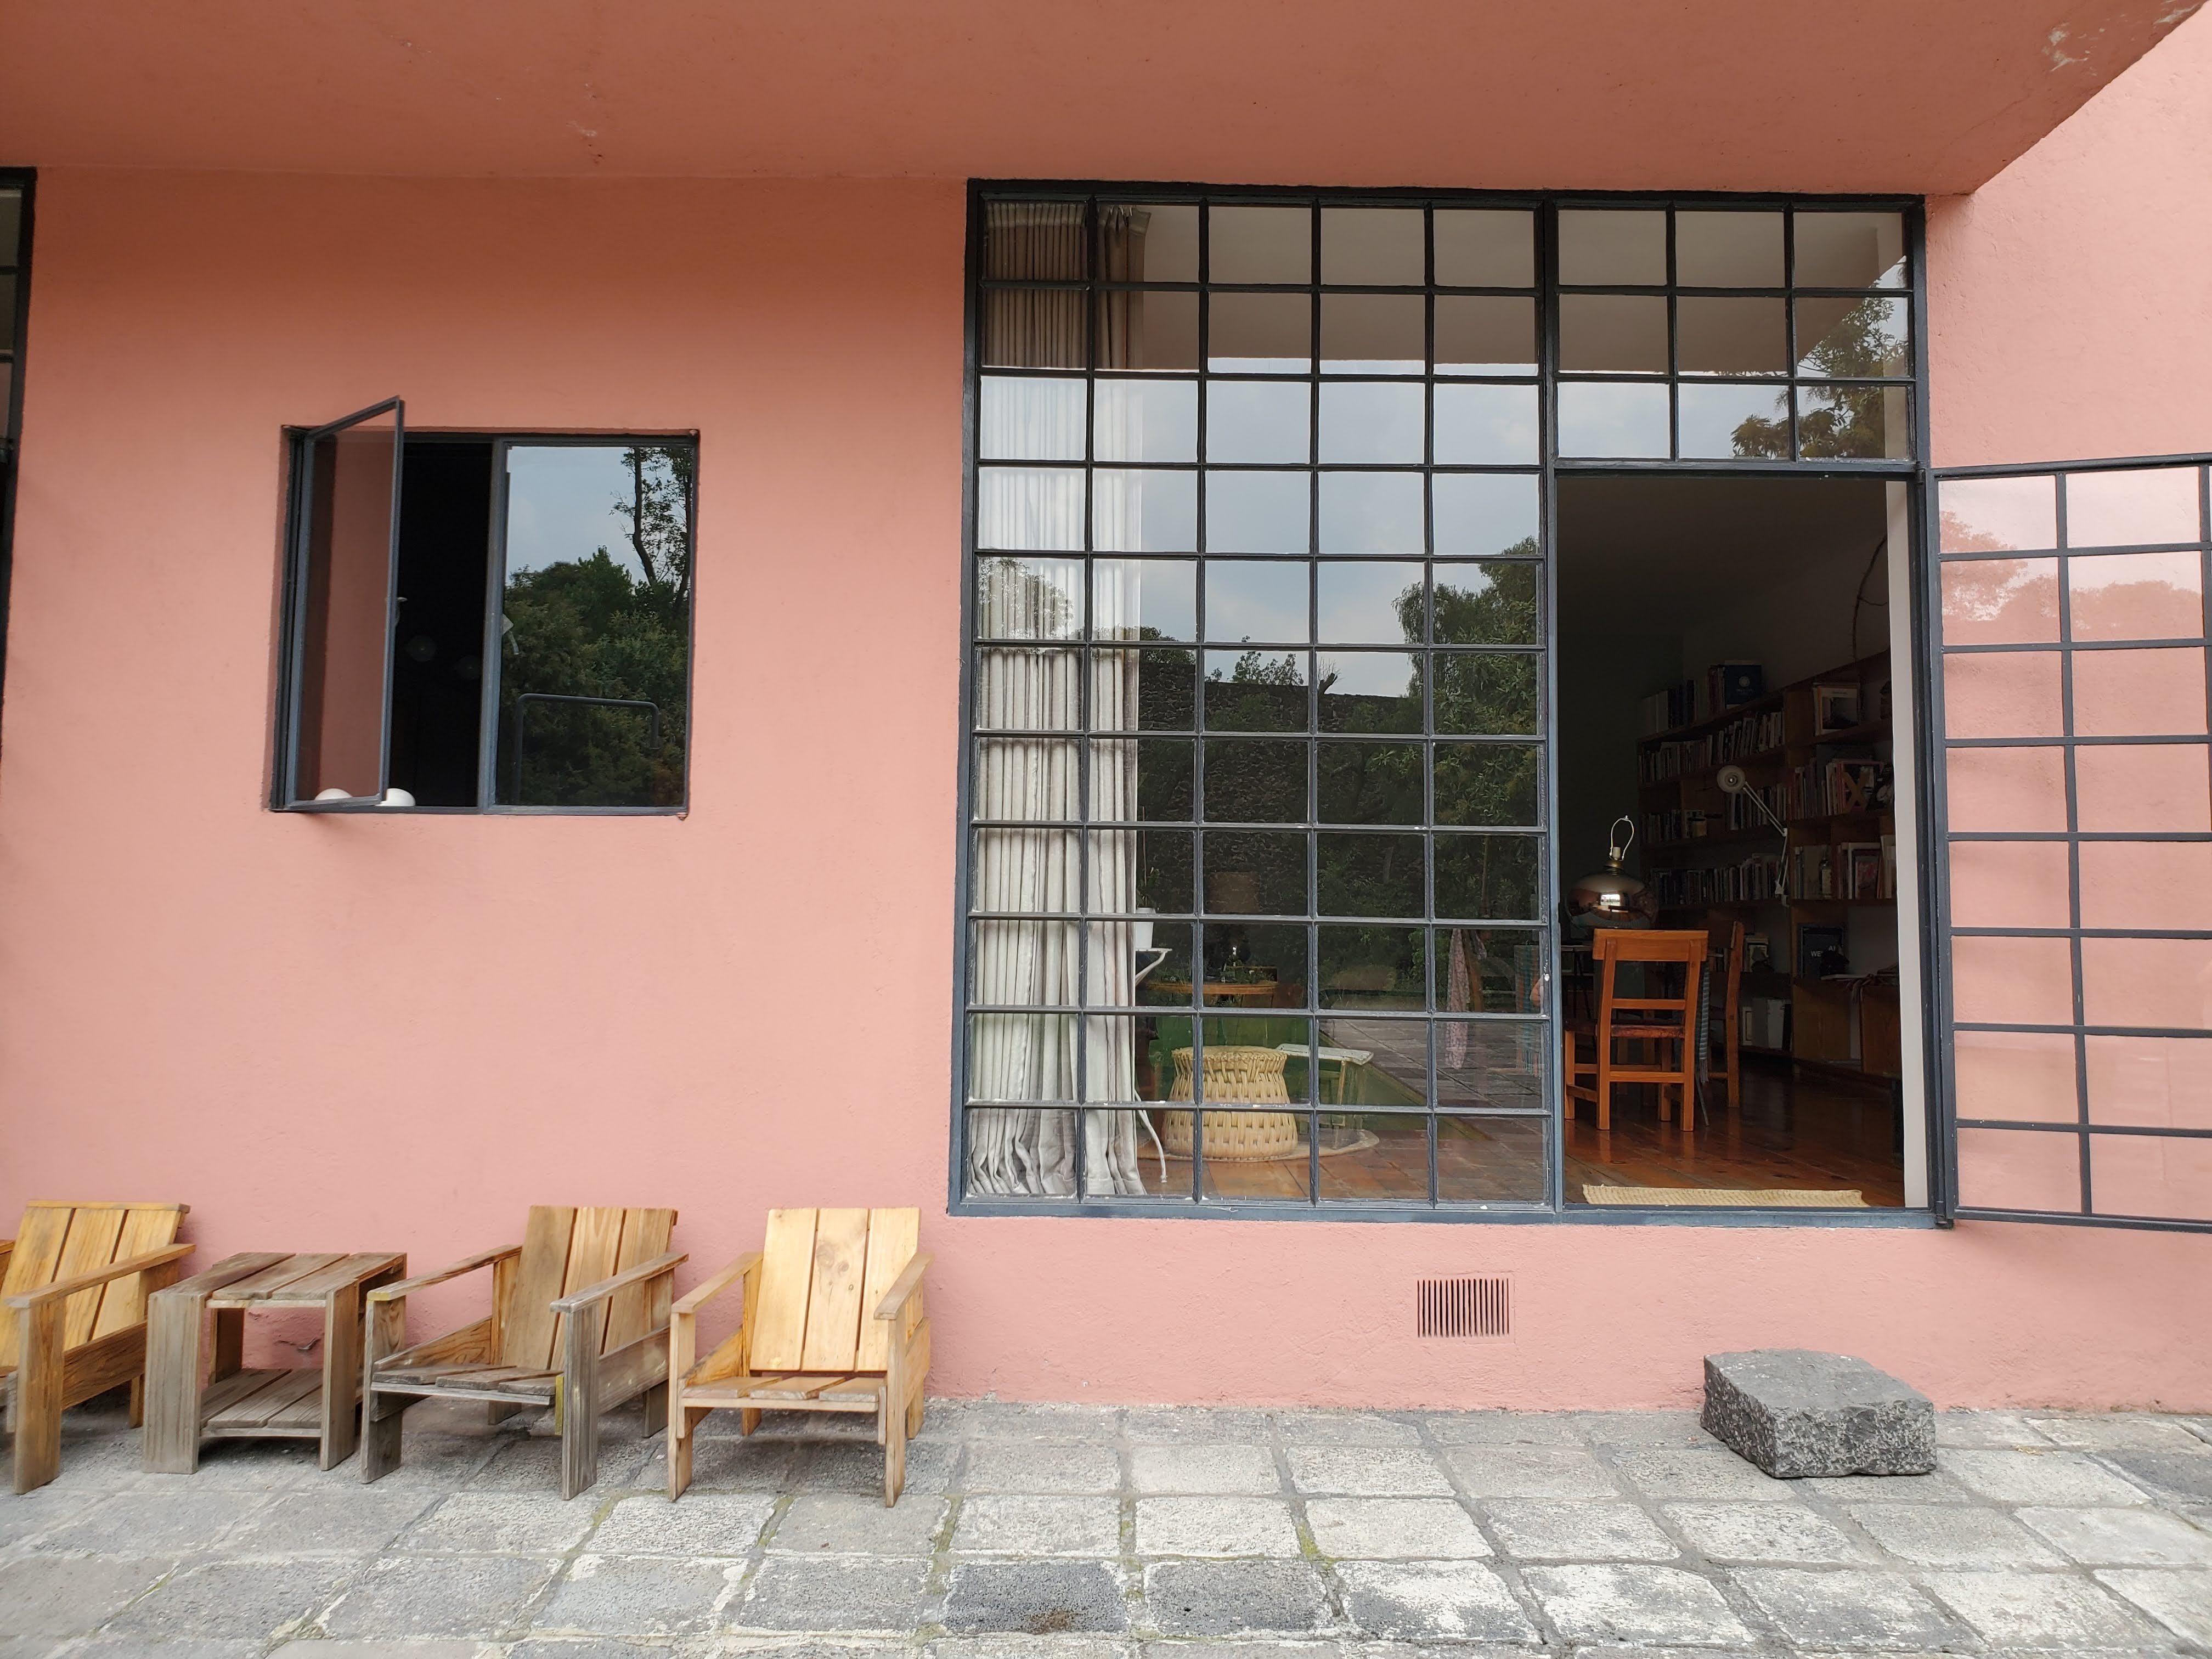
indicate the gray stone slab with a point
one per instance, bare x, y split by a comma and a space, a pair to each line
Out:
2182, 1601
1366, 1471
478, 1596
307, 1647
1634, 1604
637, 1595
2122, 1538
1937, 1488
834, 1593
132, 1647
442, 1461
1165, 1425
1986, 1429
139, 1523
1761, 1532
1215, 1527
846, 1523
857, 1467
700, 1524
248, 1465
1488, 1472
1669, 1428
1035, 1598
1795, 1412
2040, 1610
1000, 1420
1553, 1529
1234, 1598
2094, 1431
1394, 1529
1505, 1428
564, 1648
1247, 1468
498, 1523
1847, 1609
26, 1517
341, 1519
1699, 1472
2040, 1477
998, 1646
1002, 1524
70, 1595
2180, 1475
1460, 1599
531, 1463
1322, 1427
242, 1599
1067, 1468
753, 1465
1930, 1535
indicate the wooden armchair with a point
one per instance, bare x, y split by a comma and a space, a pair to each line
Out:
579, 1321
832, 1321
74, 1290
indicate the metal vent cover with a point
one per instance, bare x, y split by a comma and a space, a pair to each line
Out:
1463, 1307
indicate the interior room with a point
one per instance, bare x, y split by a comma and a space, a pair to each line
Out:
1715, 632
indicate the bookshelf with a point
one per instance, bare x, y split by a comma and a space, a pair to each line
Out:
1819, 751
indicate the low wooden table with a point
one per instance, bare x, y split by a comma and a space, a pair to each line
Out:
191, 1397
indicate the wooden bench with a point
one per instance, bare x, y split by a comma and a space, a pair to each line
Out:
74, 1290
832, 1321
579, 1322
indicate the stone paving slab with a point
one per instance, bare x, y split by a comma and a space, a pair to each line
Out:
1053, 1532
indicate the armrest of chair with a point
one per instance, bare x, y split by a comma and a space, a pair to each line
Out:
903, 1288
468, 1265
229, 1270
700, 1295
99, 1276
621, 1281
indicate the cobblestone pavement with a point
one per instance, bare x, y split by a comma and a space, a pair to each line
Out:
1134, 1534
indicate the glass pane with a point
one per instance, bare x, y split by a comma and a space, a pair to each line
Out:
1259, 420
2024, 1076
1258, 333
1252, 965
2157, 1176
1486, 425
1374, 1157
1489, 1160
1369, 783
1371, 421
1162, 974
1255, 1156
1144, 599
2021, 790
1852, 339
1029, 778
2146, 885
2012, 981
1029, 507
1491, 970
1028, 598
1371, 511
1155, 1040
1856, 422
1850, 250
1617, 332
1377, 247
1727, 250
1734, 423
1033, 241
1025, 870
1492, 1063
1485, 247
2148, 982
1370, 603
2122, 694
1607, 246
2129, 787
1258, 512
1031, 420
1018, 1154
11, 224
1998, 515
1033, 328
2019, 1170
1730, 337
1162, 790
1488, 876
2126, 508
1023, 963
1146, 420
1140, 331
2160, 1083
1166, 686
1261, 244
1369, 875
2010, 883
1165, 863
1125, 956
2013, 693
1371, 967
1479, 693
1252, 873
1487, 603
1257, 599
1601, 420
1255, 691
2136, 596
1027, 688
2001, 601
1147, 242
341, 654
594, 667
1484, 512
1374, 333
1255, 780
1481, 784
1485, 334
1377, 691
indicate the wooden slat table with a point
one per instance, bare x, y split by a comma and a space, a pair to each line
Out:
198, 1388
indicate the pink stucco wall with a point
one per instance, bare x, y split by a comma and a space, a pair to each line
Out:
369, 1032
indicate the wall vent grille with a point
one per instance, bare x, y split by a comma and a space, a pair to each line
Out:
1463, 1307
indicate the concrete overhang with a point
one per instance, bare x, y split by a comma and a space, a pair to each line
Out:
1932, 96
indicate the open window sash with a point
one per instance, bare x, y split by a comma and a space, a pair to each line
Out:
342, 593
2072, 713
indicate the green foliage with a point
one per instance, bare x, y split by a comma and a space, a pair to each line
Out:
1843, 422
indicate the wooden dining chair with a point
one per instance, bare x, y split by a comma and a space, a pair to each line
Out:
1660, 1031
1725, 1064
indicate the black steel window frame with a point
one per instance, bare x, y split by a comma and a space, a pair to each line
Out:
1912, 469
2084, 1128
294, 554
15, 262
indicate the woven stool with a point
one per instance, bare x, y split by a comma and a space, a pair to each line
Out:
1235, 1073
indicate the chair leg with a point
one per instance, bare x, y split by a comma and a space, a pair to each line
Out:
578, 1399
683, 1439
38, 1406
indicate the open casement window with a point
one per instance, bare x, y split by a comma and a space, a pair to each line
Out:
336, 753
2076, 839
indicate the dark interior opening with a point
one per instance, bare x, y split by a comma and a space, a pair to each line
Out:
437, 664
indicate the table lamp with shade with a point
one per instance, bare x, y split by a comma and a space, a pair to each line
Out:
1611, 897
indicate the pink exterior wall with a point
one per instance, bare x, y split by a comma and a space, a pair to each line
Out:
369, 1032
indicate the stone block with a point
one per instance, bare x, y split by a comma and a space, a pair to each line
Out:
1035, 1598
1795, 1412
1416, 1600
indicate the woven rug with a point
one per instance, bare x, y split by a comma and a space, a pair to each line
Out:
1768, 1198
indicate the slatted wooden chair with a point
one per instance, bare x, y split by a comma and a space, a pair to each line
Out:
579, 1321
1661, 1030
832, 1321
74, 1290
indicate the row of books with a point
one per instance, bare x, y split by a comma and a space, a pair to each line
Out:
1743, 814
1848, 870
1754, 734
1845, 784
1747, 881
1661, 827
1724, 686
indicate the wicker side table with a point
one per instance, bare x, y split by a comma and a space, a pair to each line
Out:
1234, 1072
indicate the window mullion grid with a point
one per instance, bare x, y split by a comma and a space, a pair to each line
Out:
1673, 351
1312, 929
1087, 721
2073, 853
1201, 929
1789, 318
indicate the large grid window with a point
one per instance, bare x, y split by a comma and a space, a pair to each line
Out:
2079, 791
15, 300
